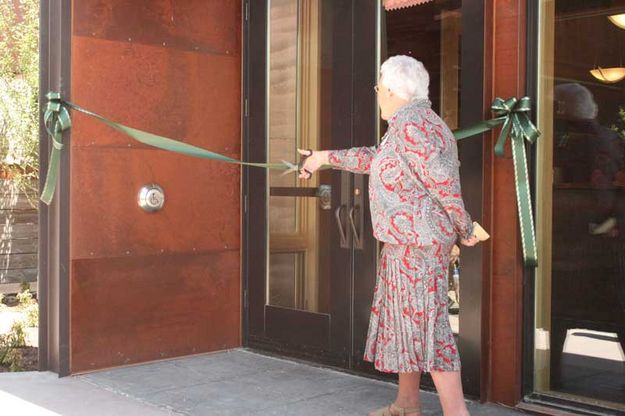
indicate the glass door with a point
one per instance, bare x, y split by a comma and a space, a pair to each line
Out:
311, 257
300, 258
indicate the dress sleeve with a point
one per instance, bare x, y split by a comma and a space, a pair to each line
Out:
432, 155
355, 159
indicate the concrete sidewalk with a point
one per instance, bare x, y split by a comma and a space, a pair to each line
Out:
235, 382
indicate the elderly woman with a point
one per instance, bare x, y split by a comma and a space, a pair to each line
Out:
418, 213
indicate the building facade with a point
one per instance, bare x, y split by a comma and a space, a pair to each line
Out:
242, 256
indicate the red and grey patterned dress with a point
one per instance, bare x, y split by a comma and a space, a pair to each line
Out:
418, 212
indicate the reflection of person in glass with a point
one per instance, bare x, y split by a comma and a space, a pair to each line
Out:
418, 212
587, 154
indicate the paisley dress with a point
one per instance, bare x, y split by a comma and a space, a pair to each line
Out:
418, 213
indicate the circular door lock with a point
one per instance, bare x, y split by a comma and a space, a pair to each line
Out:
151, 198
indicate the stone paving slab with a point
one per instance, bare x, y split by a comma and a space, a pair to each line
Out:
45, 394
233, 382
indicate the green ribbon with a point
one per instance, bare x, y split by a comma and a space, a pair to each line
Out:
57, 119
512, 114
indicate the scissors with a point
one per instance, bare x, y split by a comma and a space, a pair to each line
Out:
296, 167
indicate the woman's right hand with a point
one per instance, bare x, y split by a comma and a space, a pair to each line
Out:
478, 234
312, 162
470, 242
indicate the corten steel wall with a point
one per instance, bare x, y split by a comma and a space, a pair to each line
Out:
148, 286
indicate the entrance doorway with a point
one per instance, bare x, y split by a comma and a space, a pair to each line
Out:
311, 259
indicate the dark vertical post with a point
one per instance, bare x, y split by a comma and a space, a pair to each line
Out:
471, 173
341, 88
364, 128
53, 280
245, 172
531, 90
255, 147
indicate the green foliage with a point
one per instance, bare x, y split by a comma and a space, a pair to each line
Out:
9, 347
25, 297
30, 307
13, 359
24, 286
19, 90
619, 126
16, 335
12, 343
32, 315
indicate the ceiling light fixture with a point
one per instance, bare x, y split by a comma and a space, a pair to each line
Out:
618, 20
400, 4
608, 75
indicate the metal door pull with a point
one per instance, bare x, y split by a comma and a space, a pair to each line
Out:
351, 221
337, 215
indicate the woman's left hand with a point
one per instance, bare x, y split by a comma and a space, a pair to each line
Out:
455, 254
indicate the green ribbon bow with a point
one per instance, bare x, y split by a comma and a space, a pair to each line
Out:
513, 114
56, 119
519, 127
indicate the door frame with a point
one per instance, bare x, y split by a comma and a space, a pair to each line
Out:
55, 34
474, 316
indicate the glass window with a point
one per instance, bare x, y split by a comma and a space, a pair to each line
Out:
580, 290
299, 44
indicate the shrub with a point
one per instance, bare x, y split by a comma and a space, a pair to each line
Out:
19, 75
9, 347
32, 315
24, 298
30, 307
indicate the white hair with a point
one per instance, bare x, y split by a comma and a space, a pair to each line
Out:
405, 76
574, 101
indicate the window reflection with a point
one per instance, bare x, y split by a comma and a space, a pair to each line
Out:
580, 309
299, 43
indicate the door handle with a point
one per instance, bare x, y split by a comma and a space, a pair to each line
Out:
323, 192
295, 191
357, 239
337, 215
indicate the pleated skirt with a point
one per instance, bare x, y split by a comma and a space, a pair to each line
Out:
409, 326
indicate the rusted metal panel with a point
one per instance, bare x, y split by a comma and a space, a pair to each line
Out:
186, 96
212, 27
201, 211
147, 286
142, 308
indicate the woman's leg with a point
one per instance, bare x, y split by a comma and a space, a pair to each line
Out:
408, 392
449, 388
